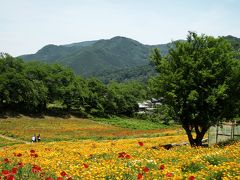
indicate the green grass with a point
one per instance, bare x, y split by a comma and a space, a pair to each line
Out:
6, 142
132, 123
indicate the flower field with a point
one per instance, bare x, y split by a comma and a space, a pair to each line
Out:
58, 129
140, 158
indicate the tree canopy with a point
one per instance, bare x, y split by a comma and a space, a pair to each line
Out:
32, 86
199, 79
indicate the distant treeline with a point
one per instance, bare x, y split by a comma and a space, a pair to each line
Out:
33, 86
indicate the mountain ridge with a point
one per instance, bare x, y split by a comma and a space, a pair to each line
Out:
93, 57
119, 58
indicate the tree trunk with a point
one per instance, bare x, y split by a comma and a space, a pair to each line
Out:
199, 134
189, 134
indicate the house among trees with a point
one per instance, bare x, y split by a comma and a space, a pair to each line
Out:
149, 106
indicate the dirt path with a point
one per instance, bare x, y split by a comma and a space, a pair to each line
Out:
13, 139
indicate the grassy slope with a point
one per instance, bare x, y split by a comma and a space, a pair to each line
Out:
132, 123
6, 142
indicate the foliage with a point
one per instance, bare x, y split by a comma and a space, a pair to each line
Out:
119, 59
30, 87
138, 73
17, 90
193, 167
100, 58
162, 114
235, 42
132, 123
6, 142
196, 79
126, 96
166, 113
216, 160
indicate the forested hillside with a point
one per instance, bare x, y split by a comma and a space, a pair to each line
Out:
97, 57
120, 59
234, 41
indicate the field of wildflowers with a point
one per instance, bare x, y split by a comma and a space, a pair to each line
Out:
59, 129
140, 158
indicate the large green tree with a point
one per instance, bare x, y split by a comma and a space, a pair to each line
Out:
196, 79
18, 89
76, 94
123, 97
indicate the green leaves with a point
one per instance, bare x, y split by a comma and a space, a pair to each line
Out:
196, 79
193, 96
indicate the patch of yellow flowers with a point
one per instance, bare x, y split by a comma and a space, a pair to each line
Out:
130, 159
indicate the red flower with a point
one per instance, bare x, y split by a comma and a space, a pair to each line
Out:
6, 160
11, 177
169, 174
6, 173
14, 170
32, 151
34, 155
60, 178
49, 178
70, 178
85, 165
145, 169
20, 164
36, 169
122, 154
191, 178
140, 176
19, 155
162, 167
63, 173
128, 156
140, 143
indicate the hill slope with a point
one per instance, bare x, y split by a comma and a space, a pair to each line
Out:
119, 58
94, 57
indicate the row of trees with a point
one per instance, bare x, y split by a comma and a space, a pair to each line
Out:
32, 86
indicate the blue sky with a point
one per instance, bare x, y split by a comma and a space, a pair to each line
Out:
28, 25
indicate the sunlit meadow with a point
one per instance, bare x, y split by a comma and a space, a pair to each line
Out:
141, 158
63, 154
58, 129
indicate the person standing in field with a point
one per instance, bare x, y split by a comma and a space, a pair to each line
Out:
34, 139
38, 138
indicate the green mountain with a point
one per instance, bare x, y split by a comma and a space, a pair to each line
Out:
119, 59
97, 57
235, 42
52, 53
140, 73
